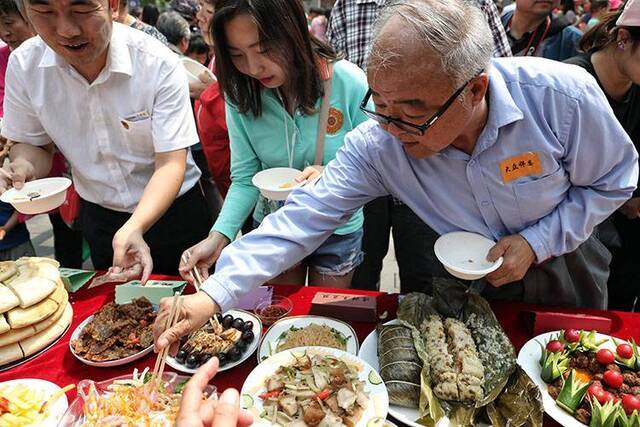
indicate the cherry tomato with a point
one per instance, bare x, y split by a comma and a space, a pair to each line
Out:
572, 335
606, 397
605, 356
613, 378
630, 403
595, 391
625, 351
555, 346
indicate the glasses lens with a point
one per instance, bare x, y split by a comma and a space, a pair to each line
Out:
407, 128
375, 116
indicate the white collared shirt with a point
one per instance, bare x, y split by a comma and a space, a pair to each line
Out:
108, 130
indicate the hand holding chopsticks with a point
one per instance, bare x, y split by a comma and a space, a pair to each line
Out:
196, 310
172, 320
194, 272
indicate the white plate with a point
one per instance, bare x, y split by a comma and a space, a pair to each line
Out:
257, 332
56, 410
109, 363
52, 193
464, 254
271, 338
254, 385
529, 360
195, 69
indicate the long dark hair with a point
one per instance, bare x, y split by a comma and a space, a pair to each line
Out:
282, 27
605, 33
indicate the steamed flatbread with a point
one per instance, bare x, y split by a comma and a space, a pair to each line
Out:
10, 353
42, 339
38, 260
7, 269
59, 295
16, 335
4, 326
40, 269
21, 317
62, 311
31, 289
8, 299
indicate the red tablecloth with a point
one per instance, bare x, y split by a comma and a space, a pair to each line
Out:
58, 365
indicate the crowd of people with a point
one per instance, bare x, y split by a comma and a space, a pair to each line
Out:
162, 177
409, 117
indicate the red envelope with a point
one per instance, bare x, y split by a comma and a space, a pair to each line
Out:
539, 322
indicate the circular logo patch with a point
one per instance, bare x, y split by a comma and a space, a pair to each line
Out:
335, 120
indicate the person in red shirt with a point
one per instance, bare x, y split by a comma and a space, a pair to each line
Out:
210, 112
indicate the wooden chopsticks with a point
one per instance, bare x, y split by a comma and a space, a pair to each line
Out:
195, 274
172, 319
197, 278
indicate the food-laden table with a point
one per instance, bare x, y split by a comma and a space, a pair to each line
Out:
58, 365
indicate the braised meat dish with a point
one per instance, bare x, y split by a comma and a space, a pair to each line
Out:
117, 331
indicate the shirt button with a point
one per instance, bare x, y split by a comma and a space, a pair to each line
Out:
472, 163
485, 203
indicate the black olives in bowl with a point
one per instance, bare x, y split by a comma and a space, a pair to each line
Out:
247, 336
234, 354
238, 324
227, 321
192, 362
181, 357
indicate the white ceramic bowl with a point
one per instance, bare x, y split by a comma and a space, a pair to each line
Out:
464, 254
276, 183
52, 193
195, 69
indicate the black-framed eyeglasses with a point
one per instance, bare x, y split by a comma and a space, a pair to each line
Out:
410, 127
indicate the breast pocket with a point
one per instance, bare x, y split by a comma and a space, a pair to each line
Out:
138, 136
538, 198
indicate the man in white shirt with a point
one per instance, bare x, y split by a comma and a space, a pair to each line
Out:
115, 102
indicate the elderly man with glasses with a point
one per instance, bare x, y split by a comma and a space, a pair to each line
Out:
524, 151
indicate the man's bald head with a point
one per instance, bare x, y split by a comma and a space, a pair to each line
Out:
431, 37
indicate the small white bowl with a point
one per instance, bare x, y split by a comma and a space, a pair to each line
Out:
195, 69
276, 183
52, 193
464, 254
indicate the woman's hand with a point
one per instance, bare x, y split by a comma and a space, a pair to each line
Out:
196, 310
202, 256
195, 411
129, 248
310, 174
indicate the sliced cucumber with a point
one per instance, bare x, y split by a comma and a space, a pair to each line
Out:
374, 378
247, 401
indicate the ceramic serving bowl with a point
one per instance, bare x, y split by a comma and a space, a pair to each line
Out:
464, 254
276, 183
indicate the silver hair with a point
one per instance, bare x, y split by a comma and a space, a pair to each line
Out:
20, 5
455, 30
173, 26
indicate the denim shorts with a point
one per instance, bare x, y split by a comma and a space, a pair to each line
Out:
337, 256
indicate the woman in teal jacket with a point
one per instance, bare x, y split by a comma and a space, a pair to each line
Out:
272, 73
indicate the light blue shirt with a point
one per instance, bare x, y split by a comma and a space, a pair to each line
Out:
557, 111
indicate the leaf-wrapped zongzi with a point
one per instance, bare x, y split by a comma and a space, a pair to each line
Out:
400, 366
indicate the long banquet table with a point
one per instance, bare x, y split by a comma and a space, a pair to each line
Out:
59, 366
